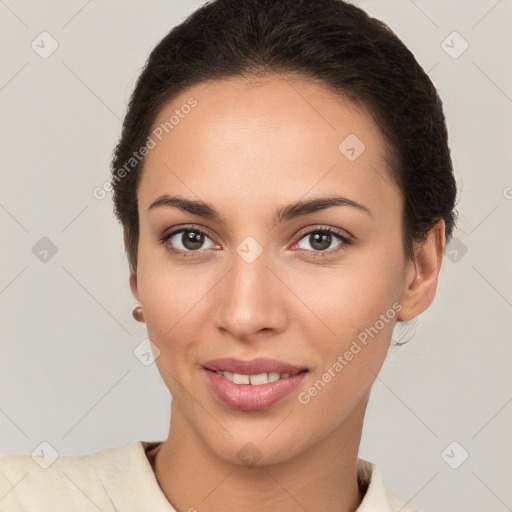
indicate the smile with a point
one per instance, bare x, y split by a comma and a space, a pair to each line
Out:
251, 392
254, 380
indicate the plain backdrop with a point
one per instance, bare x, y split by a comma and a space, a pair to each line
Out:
439, 421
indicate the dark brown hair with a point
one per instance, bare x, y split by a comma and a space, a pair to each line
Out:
330, 41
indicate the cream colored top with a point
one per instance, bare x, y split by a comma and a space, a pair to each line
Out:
120, 480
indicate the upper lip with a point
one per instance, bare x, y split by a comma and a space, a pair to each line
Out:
252, 366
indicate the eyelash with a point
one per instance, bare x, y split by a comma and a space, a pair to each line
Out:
341, 236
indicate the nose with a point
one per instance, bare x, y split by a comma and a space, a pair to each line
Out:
250, 300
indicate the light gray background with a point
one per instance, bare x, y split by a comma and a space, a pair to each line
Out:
68, 374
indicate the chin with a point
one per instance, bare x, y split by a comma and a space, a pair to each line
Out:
256, 451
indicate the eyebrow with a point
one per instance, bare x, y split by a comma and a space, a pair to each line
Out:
285, 213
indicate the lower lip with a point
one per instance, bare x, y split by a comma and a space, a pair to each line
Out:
248, 397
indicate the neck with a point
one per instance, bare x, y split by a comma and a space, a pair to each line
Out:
322, 477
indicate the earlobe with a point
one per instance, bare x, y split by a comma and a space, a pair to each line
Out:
422, 273
137, 312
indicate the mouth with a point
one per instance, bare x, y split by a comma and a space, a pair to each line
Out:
254, 379
251, 385
252, 367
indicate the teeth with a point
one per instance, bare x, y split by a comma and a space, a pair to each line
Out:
241, 379
255, 380
262, 378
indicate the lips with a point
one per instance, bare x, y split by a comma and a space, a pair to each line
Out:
249, 396
255, 366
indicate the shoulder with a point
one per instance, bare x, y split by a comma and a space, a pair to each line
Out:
376, 498
65, 483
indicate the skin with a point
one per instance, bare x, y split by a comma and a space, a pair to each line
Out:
247, 148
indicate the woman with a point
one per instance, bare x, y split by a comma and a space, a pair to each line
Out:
285, 188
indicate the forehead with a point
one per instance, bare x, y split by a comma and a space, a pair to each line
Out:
265, 139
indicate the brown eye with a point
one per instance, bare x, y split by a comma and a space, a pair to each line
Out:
187, 241
321, 240
192, 240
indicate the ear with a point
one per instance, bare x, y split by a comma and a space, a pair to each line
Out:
422, 272
133, 273
133, 286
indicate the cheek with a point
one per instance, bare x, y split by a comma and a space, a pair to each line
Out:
352, 295
163, 285
176, 300
360, 321
358, 306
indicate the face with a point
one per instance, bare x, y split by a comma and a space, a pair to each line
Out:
245, 275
